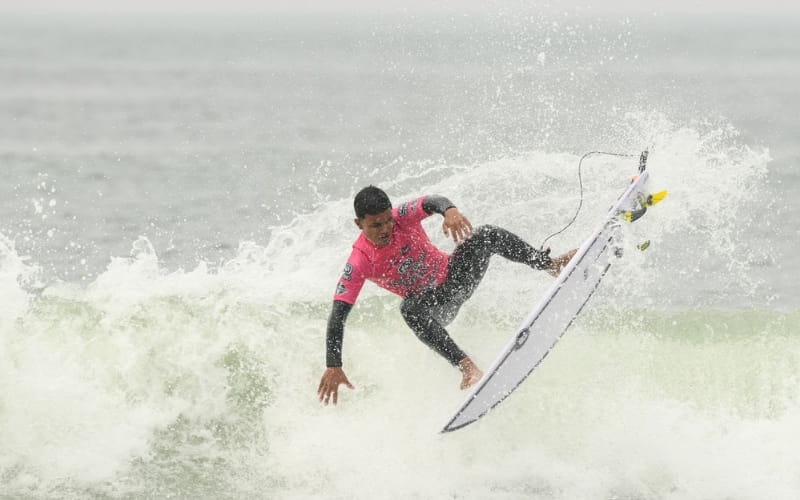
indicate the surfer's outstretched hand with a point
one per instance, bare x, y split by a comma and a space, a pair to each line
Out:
470, 373
328, 390
456, 225
558, 263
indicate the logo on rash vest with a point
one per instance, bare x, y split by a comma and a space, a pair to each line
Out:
405, 265
412, 273
347, 274
403, 210
340, 289
404, 249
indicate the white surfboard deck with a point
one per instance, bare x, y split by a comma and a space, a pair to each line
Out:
548, 321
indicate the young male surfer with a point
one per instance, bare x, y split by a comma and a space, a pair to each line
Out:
394, 251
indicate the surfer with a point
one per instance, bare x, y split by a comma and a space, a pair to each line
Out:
394, 251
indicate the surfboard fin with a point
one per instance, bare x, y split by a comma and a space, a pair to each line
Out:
633, 215
644, 202
652, 199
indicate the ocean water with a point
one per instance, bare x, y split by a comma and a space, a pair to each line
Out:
175, 209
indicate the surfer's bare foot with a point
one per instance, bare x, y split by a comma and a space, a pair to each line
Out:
560, 262
470, 373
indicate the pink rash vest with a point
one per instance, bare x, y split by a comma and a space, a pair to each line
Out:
409, 264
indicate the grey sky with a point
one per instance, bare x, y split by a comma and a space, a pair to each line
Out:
302, 6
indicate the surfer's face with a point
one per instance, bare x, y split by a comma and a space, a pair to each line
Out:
377, 228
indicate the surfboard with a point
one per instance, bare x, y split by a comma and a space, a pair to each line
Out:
549, 320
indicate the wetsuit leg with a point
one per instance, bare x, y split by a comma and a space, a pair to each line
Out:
419, 313
470, 260
427, 313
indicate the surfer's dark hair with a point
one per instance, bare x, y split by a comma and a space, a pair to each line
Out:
371, 201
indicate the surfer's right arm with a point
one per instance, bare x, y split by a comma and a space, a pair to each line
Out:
328, 390
335, 333
345, 296
347, 291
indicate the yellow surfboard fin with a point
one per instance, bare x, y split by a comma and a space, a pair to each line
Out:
654, 198
644, 202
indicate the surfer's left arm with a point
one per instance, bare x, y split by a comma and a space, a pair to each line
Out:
455, 224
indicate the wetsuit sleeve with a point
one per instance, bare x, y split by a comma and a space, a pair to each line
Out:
335, 335
436, 204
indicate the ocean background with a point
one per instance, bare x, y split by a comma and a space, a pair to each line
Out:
175, 209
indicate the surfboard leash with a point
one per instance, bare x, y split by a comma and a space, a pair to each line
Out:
642, 160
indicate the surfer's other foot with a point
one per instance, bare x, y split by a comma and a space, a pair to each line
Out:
470, 373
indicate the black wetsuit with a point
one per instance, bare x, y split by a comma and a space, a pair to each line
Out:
428, 313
